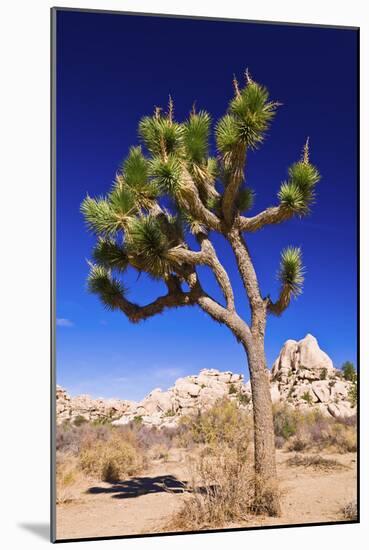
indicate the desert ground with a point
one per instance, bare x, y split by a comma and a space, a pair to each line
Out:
315, 484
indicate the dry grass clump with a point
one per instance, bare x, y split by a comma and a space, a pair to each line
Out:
315, 461
349, 511
303, 431
111, 460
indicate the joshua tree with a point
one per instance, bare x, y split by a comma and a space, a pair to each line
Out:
168, 200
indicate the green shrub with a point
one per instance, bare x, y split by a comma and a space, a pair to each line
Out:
307, 397
323, 374
352, 394
348, 371
232, 389
286, 421
243, 398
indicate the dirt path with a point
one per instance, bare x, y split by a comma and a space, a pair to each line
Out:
145, 503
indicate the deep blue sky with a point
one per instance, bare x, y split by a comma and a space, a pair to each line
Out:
112, 70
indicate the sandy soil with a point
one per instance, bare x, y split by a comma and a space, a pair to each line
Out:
144, 504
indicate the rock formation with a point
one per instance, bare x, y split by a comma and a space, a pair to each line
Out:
70, 408
303, 377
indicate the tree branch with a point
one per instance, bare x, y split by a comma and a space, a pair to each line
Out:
190, 199
246, 268
173, 299
278, 307
272, 215
207, 256
234, 181
216, 311
220, 273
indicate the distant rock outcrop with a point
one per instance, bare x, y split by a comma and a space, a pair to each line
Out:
303, 377
189, 395
83, 406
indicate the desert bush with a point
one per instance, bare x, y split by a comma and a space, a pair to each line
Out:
306, 396
70, 438
349, 510
348, 371
286, 421
243, 398
303, 431
323, 374
353, 394
223, 424
298, 444
343, 438
79, 420
147, 437
67, 477
315, 461
111, 460
221, 492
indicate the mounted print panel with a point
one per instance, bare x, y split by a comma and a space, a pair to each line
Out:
205, 204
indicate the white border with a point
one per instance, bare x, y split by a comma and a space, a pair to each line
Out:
25, 196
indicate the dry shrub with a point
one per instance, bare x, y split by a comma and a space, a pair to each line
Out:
222, 491
343, 438
111, 460
148, 437
71, 439
222, 479
349, 511
224, 424
67, 477
316, 461
312, 430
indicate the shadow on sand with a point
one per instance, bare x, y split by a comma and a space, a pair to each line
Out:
138, 486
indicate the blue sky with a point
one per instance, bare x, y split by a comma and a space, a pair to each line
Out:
112, 70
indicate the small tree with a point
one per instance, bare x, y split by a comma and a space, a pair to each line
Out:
173, 187
348, 371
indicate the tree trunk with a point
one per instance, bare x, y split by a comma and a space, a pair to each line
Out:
266, 490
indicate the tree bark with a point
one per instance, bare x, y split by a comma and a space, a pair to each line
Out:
266, 490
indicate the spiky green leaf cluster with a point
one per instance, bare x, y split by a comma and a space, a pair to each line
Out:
245, 199
298, 192
161, 133
108, 288
147, 240
253, 112
291, 271
196, 137
250, 113
109, 254
227, 136
166, 174
135, 169
99, 216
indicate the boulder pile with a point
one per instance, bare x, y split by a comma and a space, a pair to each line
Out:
84, 407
